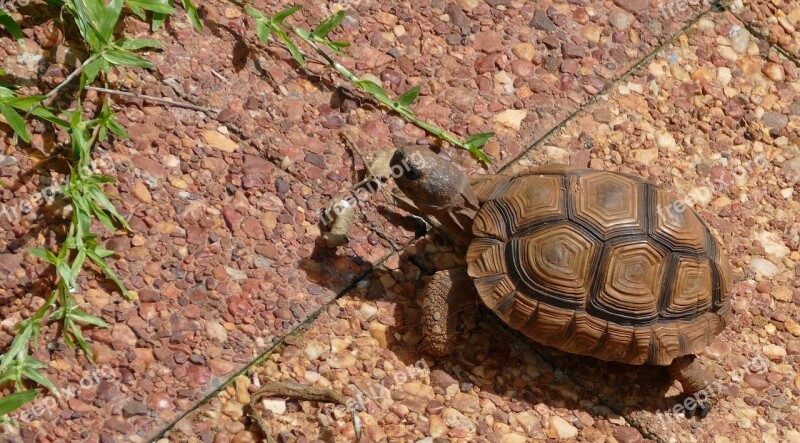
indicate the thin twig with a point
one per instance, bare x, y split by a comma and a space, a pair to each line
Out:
162, 101
69, 78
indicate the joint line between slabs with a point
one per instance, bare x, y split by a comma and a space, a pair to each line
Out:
638, 65
300, 327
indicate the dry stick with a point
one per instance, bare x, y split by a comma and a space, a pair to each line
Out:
298, 391
162, 101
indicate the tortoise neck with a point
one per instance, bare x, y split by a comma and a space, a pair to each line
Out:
458, 217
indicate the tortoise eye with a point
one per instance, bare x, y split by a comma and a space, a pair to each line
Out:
412, 173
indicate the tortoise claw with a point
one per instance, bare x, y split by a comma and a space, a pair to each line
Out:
699, 409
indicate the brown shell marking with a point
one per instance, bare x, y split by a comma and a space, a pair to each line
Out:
590, 263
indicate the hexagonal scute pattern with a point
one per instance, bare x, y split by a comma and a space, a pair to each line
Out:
691, 289
631, 283
609, 204
533, 198
559, 261
675, 223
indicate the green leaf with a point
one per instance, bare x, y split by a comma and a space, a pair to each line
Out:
101, 197
75, 331
329, 25
77, 264
44, 254
11, 26
282, 15
91, 70
194, 17
96, 20
372, 88
263, 30
409, 96
253, 12
12, 402
36, 376
19, 346
479, 140
293, 49
15, 121
162, 7
139, 43
123, 58
86, 318
101, 263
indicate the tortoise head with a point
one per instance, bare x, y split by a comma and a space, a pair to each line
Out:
437, 187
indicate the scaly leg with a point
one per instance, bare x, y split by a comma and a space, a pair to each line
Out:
447, 293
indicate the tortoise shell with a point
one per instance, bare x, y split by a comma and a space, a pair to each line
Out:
598, 263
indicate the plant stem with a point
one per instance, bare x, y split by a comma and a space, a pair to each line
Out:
163, 101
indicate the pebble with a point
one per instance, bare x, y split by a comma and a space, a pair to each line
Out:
524, 51
276, 405
763, 267
627, 434
511, 118
562, 428
774, 352
620, 19
216, 140
774, 72
141, 193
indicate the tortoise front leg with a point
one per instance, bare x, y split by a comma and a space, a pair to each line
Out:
700, 388
447, 293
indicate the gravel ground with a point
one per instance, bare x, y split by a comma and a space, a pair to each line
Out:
226, 255
777, 21
712, 116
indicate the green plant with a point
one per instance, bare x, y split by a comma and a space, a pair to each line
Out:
317, 39
84, 193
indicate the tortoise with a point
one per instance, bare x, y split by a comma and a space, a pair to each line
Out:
589, 262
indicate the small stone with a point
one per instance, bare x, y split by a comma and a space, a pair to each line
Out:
133, 408
591, 33
556, 154
645, 156
774, 71
314, 349
620, 19
418, 389
276, 405
466, 403
102, 354
774, 352
380, 333
511, 118
198, 375
216, 331
159, 401
763, 267
216, 140
524, 51
561, 427
792, 327
633, 6
782, 293
97, 298
627, 434
489, 41
242, 385
773, 244
775, 120
233, 410
666, 141
513, 437
141, 193
246, 437
756, 381
740, 40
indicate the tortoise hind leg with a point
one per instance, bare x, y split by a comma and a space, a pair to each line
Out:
447, 293
699, 386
